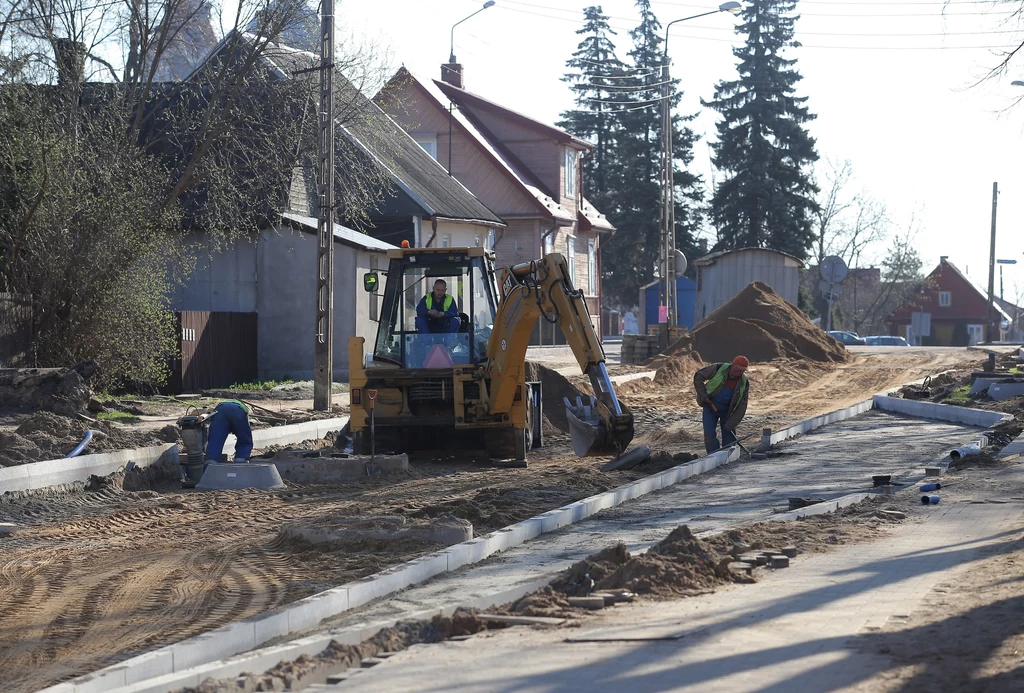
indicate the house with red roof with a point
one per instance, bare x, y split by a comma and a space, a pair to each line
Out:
526, 171
953, 311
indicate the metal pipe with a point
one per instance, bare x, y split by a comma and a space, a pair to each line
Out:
966, 451
81, 446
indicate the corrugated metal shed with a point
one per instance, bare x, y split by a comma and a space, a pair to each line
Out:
722, 275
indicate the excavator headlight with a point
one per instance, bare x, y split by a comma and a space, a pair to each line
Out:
357, 396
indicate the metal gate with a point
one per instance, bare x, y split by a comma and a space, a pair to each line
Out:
218, 349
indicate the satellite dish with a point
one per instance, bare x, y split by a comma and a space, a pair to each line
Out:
680, 263
833, 269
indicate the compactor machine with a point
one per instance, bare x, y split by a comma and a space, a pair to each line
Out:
468, 387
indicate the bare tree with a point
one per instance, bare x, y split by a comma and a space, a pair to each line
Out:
106, 169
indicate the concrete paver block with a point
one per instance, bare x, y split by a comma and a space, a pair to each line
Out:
789, 551
779, 562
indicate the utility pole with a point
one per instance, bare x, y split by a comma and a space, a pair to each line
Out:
992, 262
323, 373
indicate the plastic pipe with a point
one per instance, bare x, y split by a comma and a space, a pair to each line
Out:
81, 446
966, 451
929, 500
931, 487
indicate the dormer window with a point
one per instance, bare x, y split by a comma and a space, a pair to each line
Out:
570, 172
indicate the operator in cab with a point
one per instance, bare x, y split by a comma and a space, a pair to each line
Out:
437, 312
722, 391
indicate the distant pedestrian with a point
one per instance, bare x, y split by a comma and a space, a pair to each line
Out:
722, 390
230, 416
630, 326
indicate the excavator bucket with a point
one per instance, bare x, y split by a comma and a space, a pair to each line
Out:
591, 434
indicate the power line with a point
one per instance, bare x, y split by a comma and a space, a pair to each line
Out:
690, 37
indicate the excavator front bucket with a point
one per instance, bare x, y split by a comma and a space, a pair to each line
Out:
594, 433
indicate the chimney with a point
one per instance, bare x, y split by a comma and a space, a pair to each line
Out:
451, 72
69, 56
702, 246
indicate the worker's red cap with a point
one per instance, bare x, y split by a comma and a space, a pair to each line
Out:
741, 361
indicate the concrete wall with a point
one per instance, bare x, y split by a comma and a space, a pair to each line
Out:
729, 274
225, 279
458, 234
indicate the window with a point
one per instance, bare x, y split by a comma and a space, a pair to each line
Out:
570, 172
429, 145
476, 241
570, 257
549, 243
446, 240
592, 266
944, 299
490, 239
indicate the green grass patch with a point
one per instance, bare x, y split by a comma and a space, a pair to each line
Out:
260, 385
958, 396
118, 416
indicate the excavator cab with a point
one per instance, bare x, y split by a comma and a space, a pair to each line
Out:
467, 304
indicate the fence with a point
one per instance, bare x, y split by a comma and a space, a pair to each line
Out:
16, 332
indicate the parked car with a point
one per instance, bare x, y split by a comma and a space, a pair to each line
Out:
847, 338
885, 340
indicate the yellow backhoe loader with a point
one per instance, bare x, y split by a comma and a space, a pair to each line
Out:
457, 377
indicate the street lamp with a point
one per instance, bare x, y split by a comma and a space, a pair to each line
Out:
668, 212
451, 67
451, 58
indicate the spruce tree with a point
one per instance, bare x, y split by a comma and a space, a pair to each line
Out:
767, 199
632, 256
596, 71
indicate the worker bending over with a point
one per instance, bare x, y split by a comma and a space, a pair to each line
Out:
231, 416
722, 390
437, 312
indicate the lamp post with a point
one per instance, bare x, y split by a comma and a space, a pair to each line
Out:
668, 197
451, 66
451, 51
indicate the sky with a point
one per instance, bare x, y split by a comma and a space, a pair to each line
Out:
897, 88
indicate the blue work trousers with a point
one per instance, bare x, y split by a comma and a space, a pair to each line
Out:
712, 421
230, 418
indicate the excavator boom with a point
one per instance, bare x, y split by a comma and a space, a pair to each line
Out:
543, 289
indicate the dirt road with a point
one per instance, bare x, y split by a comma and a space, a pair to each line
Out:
94, 578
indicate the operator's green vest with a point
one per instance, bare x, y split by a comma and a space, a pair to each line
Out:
447, 301
713, 385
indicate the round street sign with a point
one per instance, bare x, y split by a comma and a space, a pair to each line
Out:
833, 269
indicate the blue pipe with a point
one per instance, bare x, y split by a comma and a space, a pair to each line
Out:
929, 500
931, 487
81, 446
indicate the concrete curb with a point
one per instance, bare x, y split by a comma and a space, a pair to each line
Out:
941, 412
1014, 449
259, 661
38, 475
822, 508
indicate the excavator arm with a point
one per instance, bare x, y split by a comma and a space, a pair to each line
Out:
543, 289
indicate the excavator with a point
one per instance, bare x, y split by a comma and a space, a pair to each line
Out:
467, 385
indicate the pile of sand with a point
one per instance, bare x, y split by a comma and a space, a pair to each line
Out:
47, 436
761, 325
554, 387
